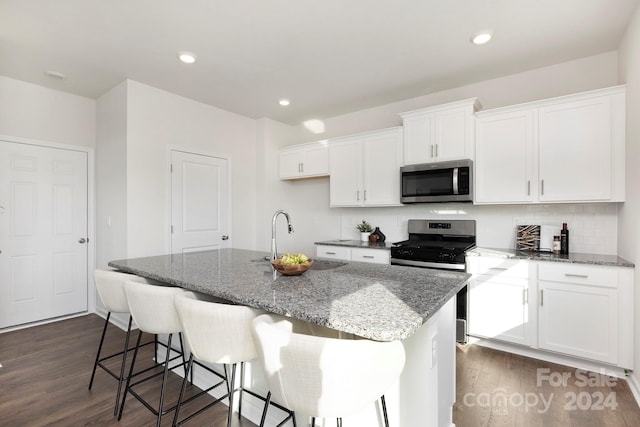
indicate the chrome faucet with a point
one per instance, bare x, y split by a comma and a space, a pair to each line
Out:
274, 249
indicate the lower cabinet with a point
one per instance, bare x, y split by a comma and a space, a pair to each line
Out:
499, 300
578, 310
376, 256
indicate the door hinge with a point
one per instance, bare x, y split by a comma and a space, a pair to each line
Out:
172, 229
171, 167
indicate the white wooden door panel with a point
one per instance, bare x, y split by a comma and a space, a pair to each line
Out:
199, 202
43, 264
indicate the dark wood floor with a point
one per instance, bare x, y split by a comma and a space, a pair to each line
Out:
502, 389
46, 369
45, 376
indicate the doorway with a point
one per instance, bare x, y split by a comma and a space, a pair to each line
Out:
43, 232
199, 202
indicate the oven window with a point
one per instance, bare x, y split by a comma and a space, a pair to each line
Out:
427, 183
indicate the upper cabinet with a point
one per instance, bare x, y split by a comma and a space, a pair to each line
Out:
567, 149
304, 161
440, 133
365, 169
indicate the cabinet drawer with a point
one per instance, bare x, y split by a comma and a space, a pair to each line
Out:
498, 266
378, 256
578, 273
338, 252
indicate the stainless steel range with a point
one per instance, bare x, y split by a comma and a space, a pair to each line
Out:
435, 244
442, 245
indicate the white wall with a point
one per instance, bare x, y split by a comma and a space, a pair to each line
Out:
629, 215
158, 120
593, 226
111, 176
35, 112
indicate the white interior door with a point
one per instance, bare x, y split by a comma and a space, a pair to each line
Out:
43, 233
199, 202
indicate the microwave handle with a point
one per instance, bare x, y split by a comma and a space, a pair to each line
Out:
455, 181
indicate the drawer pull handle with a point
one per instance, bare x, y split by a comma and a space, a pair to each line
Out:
498, 268
581, 276
368, 256
330, 253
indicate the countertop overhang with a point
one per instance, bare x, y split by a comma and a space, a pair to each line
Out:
376, 301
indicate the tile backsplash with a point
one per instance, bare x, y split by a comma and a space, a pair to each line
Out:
592, 226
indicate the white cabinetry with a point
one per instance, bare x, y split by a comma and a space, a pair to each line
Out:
304, 161
567, 149
365, 169
440, 133
498, 300
585, 311
376, 256
578, 310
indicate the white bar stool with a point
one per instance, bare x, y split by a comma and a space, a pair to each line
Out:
219, 332
324, 377
153, 310
110, 287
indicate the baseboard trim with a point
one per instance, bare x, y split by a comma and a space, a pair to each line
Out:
43, 322
635, 387
573, 362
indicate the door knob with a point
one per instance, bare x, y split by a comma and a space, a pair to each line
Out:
225, 237
82, 240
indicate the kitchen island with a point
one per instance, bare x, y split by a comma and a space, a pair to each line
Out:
379, 302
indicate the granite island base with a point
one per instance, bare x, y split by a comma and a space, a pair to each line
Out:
379, 302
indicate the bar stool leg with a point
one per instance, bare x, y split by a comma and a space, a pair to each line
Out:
124, 362
266, 407
231, 393
384, 411
241, 389
164, 380
182, 390
95, 365
133, 362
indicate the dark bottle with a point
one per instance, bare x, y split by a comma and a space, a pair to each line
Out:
381, 236
564, 239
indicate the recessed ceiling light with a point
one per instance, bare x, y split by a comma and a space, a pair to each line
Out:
481, 38
55, 74
187, 57
284, 102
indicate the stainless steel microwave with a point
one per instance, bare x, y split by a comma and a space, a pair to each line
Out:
437, 182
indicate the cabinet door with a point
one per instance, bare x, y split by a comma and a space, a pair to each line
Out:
289, 166
504, 166
314, 161
453, 140
498, 308
382, 161
578, 320
345, 168
418, 139
575, 150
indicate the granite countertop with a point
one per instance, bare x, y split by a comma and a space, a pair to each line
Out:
376, 301
356, 244
575, 258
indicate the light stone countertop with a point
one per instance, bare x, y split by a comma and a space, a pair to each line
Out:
575, 258
376, 301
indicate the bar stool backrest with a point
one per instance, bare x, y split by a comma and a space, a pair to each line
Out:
324, 377
152, 307
110, 287
217, 332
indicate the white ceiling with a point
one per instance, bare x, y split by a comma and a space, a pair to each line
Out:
328, 56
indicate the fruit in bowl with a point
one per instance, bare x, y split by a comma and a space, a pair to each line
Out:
292, 265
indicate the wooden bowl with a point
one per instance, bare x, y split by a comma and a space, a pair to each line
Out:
291, 269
